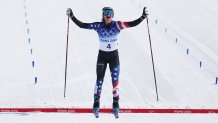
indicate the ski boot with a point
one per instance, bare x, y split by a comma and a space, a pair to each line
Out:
96, 108
116, 107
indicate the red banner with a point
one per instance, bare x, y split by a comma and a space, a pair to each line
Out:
89, 110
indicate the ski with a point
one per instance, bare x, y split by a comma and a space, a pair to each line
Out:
116, 112
95, 112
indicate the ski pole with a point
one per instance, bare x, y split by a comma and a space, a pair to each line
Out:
65, 83
152, 59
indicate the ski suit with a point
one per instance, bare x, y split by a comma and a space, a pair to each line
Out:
108, 50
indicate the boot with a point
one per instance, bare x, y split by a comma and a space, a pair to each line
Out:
115, 103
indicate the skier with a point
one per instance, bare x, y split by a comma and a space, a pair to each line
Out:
107, 30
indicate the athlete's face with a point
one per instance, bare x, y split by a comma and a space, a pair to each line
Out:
108, 15
108, 19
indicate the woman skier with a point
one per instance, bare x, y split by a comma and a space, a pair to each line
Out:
107, 30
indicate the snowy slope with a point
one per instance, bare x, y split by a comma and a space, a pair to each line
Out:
181, 82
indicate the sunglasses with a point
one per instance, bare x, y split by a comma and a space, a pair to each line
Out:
108, 13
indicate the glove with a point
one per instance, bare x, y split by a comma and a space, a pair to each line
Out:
69, 12
144, 14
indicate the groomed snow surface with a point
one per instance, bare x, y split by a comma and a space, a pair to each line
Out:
107, 118
33, 47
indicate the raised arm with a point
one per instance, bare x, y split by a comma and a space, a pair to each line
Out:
76, 21
139, 20
136, 22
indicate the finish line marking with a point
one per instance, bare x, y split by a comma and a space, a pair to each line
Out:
107, 110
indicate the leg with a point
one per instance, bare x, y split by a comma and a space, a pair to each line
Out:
115, 71
100, 70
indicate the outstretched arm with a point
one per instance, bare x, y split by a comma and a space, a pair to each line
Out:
76, 21
139, 20
136, 22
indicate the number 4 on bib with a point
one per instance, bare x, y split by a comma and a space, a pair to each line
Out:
109, 46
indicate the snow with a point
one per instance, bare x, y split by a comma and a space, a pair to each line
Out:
181, 82
107, 118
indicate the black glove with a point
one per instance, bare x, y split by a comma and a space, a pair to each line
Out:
144, 14
69, 12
